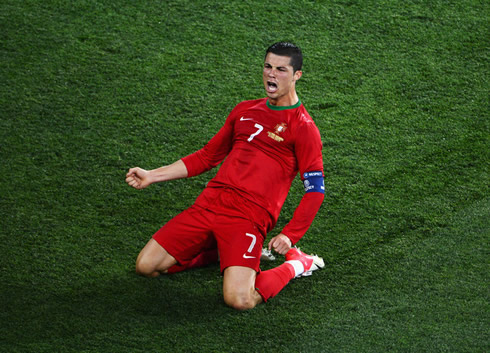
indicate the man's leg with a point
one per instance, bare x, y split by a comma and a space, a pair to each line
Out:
153, 260
185, 236
270, 283
240, 258
243, 289
239, 288
206, 257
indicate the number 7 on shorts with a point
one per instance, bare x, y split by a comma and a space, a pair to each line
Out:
251, 247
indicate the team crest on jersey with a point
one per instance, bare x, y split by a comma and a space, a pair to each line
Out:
279, 129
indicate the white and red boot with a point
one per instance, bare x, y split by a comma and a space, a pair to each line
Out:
303, 264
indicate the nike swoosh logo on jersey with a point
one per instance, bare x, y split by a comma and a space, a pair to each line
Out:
243, 119
248, 257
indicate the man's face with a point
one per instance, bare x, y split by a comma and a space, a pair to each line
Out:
279, 79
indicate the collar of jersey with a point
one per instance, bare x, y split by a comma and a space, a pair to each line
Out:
273, 107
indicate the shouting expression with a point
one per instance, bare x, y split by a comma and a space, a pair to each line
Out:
280, 80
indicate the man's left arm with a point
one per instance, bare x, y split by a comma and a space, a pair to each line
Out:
310, 162
302, 218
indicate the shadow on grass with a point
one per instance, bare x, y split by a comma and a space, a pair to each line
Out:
101, 306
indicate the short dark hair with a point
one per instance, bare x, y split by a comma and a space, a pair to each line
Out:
290, 50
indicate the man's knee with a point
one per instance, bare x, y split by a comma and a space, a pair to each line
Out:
239, 288
240, 301
241, 298
153, 260
145, 267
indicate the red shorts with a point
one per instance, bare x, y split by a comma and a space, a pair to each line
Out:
227, 222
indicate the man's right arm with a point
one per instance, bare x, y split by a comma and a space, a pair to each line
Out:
140, 178
194, 164
213, 153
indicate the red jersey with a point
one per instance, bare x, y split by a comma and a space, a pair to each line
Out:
265, 146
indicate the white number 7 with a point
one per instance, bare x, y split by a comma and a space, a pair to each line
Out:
259, 130
252, 244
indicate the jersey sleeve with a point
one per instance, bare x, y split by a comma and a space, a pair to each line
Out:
308, 149
213, 152
303, 216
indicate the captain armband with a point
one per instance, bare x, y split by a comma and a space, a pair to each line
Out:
313, 182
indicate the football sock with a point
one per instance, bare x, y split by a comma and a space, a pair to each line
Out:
299, 268
204, 258
269, 283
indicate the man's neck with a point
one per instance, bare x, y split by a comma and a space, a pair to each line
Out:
285, 101
279, 107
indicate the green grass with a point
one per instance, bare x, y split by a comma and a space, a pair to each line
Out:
399, 90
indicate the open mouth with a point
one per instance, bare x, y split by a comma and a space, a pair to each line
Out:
271, 86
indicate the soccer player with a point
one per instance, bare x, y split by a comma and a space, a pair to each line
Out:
265, 142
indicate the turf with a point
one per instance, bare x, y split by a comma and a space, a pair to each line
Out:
399, 90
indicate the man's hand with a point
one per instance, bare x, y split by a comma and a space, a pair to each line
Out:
138, 178
280, 244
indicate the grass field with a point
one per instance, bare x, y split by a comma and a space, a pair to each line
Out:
399, 90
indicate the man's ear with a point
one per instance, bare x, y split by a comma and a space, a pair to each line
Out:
297, 75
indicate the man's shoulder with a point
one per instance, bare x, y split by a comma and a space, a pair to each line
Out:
303, 126
247, 104
302, 117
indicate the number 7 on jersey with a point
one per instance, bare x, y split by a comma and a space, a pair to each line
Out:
259, 130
